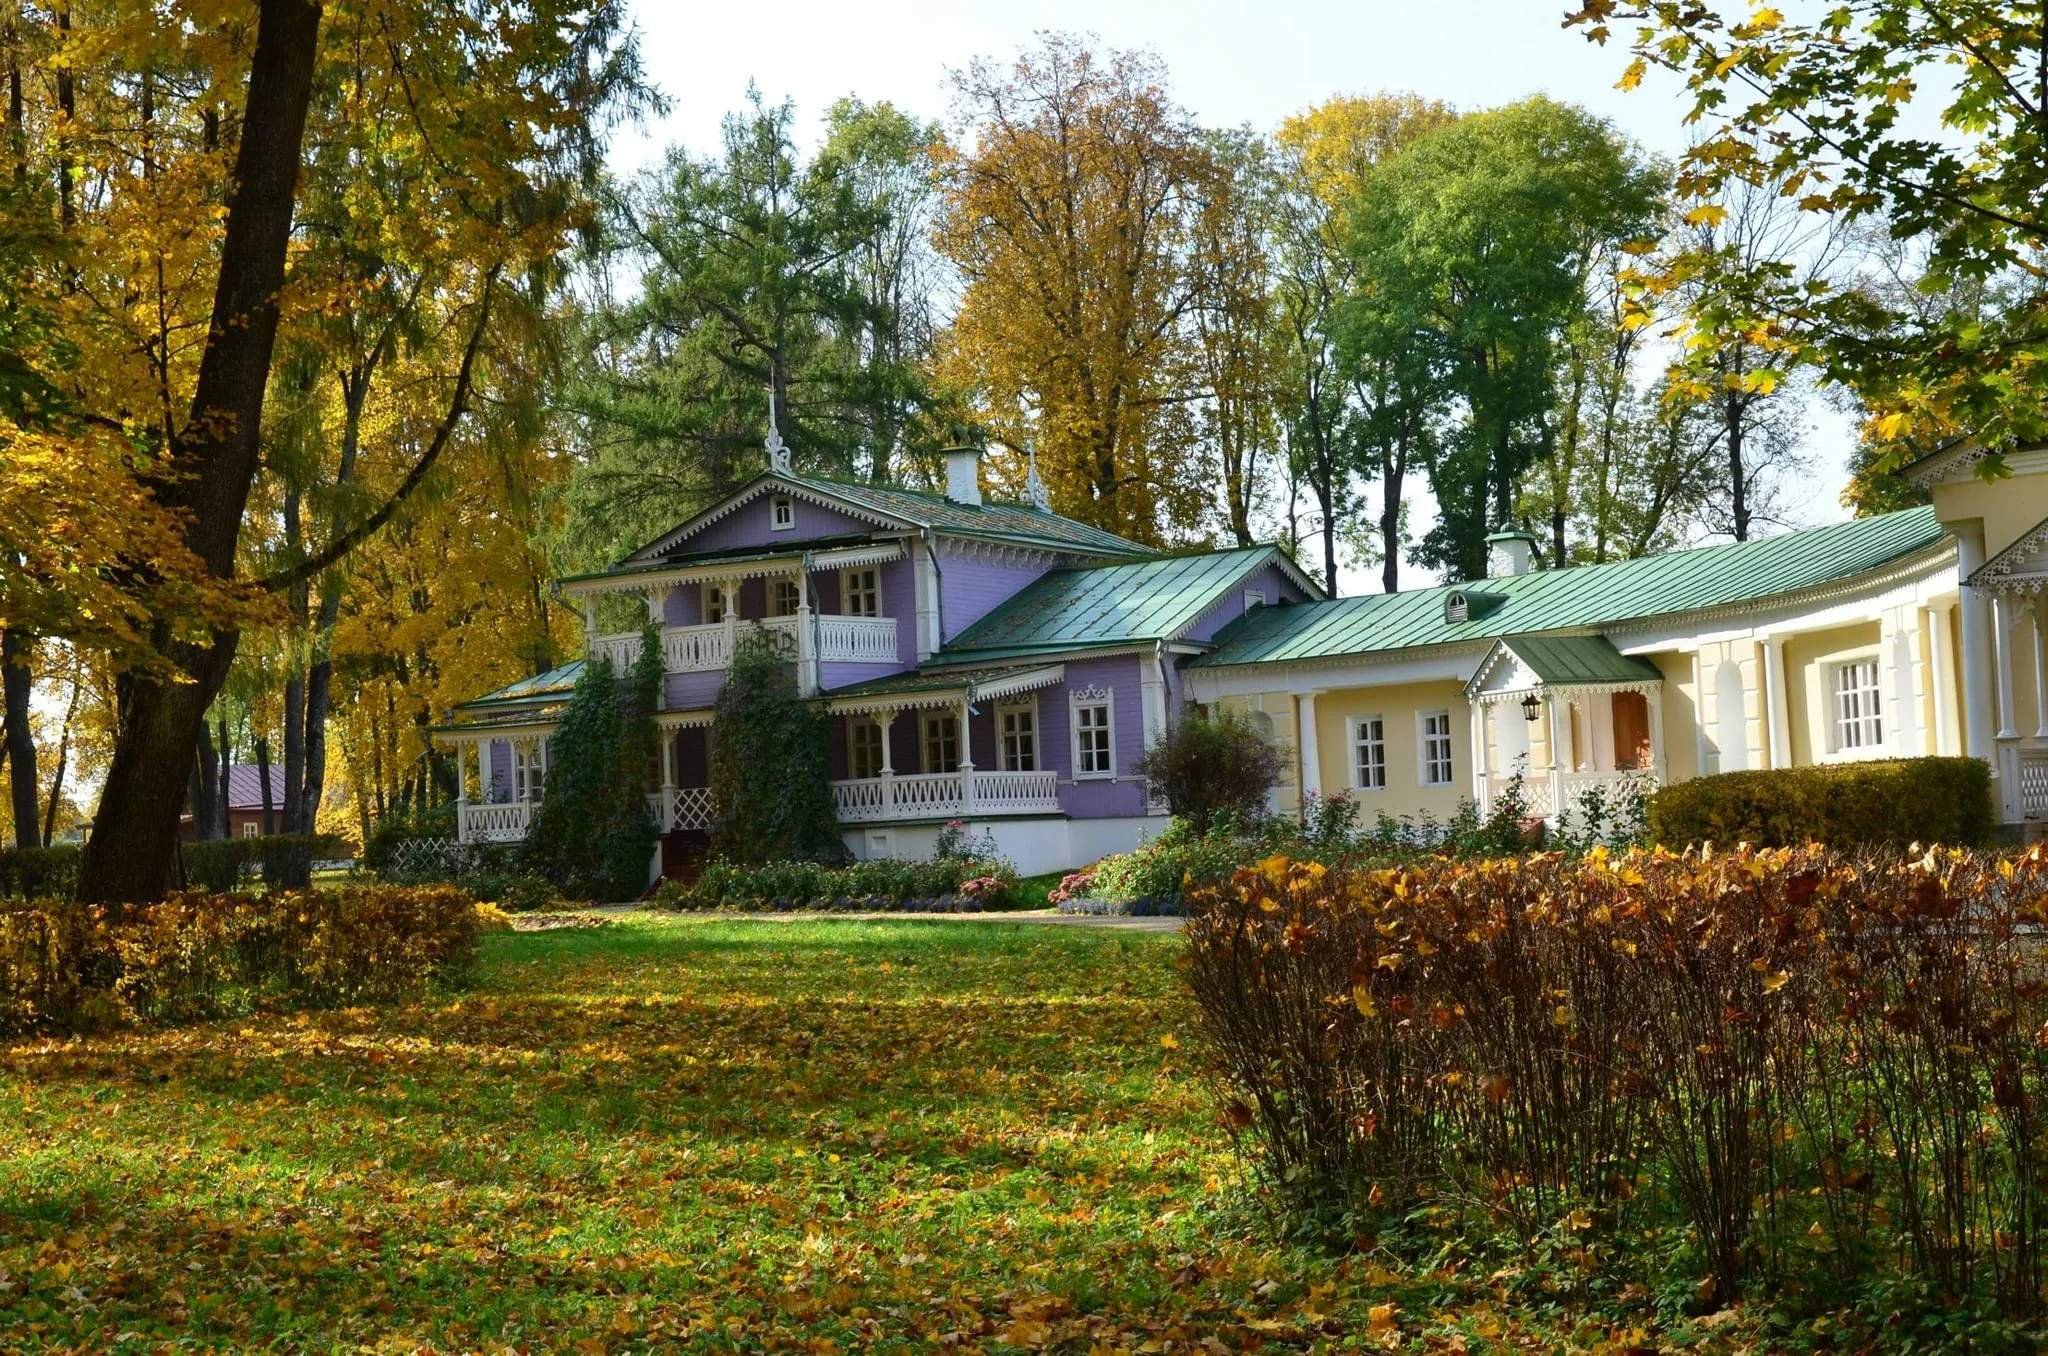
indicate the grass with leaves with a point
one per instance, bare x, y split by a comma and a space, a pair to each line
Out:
709, 1134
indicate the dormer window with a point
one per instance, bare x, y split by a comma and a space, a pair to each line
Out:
1254, 598
1457, 607
781, 513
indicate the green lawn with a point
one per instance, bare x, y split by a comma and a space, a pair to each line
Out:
722, 1135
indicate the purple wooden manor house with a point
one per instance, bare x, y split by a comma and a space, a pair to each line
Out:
993, 663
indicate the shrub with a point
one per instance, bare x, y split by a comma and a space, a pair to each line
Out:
593, 835
1846, 805
1828, 1070
40, 873
66, 967
283, 860
1211, 766
1159, 874
881, 884
770, 769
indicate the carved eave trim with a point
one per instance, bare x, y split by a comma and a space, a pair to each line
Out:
2019, 568
768, 484
685, 720
986, 551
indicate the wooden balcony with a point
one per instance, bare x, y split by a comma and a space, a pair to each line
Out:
709, 647
970, 793
493, 821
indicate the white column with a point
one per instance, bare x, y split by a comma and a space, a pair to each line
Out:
966, 761
1152, 698
1482, 772
807, 675
1699, 717
1557, 739
668, 760
1975, 658
657, 605
1311, 752
1653, 699
1918, 681
1775, 701
1941, 652
2002, 624
589, 625
884, 721
2039, 617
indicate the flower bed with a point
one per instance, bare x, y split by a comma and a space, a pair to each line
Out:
68, 967
1787, 1067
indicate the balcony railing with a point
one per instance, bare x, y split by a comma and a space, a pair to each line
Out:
936, 795
681, 807
697, 649
494, 822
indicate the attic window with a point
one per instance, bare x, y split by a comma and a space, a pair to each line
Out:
1254, 598
781, 513
1457, 608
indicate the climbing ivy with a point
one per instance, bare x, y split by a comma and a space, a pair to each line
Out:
593, 834
770, 771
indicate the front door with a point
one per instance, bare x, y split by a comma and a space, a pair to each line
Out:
1632, 731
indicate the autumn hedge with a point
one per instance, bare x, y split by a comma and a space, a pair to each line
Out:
1824, 1071
68, 967
1881, 802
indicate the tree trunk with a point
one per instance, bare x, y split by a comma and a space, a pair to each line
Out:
263, 775
213, 462
16, 682
1738, 472
224, 807
63, 752
295, 681
204, 778
1392, 476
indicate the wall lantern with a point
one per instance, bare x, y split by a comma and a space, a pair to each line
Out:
1532, 708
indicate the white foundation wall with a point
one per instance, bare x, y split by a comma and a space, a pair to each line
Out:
1032, 846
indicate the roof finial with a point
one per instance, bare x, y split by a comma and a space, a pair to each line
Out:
778, 450
1034, 488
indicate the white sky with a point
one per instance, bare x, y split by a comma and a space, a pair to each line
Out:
1229, 62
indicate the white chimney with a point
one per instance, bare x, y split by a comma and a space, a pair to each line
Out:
963, 475
1510, 551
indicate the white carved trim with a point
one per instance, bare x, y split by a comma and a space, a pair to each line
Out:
746, 494
1093, 695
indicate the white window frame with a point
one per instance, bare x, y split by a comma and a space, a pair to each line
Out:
931, 740
252, 828
849, 591
1355, 743
529, 775
856, 731
1089, 699
781, 513
1254, 598
775, 595
1856, 716
715, 598
1425, 756
1029, 734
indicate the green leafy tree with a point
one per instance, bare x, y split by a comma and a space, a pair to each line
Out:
770, 772
593, 835
1476, 243
1816, 110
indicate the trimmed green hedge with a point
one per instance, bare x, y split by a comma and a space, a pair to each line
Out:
40, 873
1887, 803
883, 884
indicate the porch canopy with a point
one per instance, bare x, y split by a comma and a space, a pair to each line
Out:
1597, 709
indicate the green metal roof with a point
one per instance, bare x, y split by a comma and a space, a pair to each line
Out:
1579, 659
1585, 596
991, 517
554, 683
1095, 605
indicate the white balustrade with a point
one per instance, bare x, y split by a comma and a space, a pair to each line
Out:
495, 822
935, 795
1015, 792
858, 640
698, 649
2033, 783
681, 807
